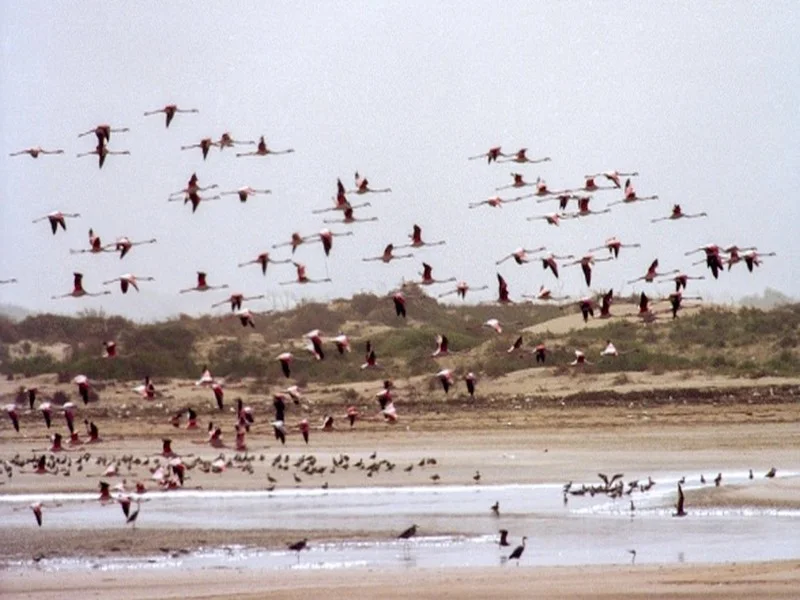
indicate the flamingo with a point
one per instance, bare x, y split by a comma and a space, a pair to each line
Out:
219, 393
348, 218
362, 187
206, 379
296, 241
677, 213
713, 260
245, 192
202, 285
340, 201
103, 133
445, 377
47, 413
315, 339
342, 343
195, 199
540, 352
399, 301
502, 290
417, 242
236, 301
123, 245
442, 346
520, 255
492, 155
675, 300
372, 363
35, 152
205, 145
102, 151
545, 295
226, 141
521, 157
549, 262
110, 349
83, 391
586, 306
57, 218
285, 359
605, 304
427, 276
494, 324
388, 255
519, 182
614, 177
302, 278
580, 359
589, 185
753, 259
264, 259
652, 273
470, 380
462, 287
36, 507
326, 237
147, 390
128, 280
11, 411
517, 345
645, 313
170, 110
585, 211
192, 187
630, 195
95, 245
613, 244
610, 349
5, 281
497, 201
542, 190
586, 263
77, 289
680, 280
551, 218
263, 150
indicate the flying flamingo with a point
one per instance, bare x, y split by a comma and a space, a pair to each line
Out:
348, 218
494, 324
492, 155
445, 377
264, 259
427, 276
563, 197
206, 379
549, 262
580, 359
83, 391
585, 211
713, 260
192, 187
545, 295
551, 218
202, 285
442, 346
315, 339
326, 237
342, 343
57, 218
103, 133
263, 150
36, 151
302, 278
11, 411
236, 301
101, 150
680, 280
517, 345
95, 245
362, 187
645, 312
388, 255
675, 300
586, 306
147, 390
170, 110
502, 290
128, 280
590, 186
542, 190
124, 244
5, 281
245, 192
340, 201
195, 199
417, 241
753, 259
77, 289
462, 287
520, 255
630, 195
586, 262
613, 244
540, 352
285, 359
36, 507
614, 177
219, 394
519, 182
110, 349
521, 157
399, 301
652, 273
205, 145
227, 141
605, 304
677, 213
296, 241
497, 201
470, 380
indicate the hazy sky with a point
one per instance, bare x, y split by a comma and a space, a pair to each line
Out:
702, 99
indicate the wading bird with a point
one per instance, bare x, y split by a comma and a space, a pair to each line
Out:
264, 259
245, 192
77, 289
631, 196
103, 133
652, 273
102, 151
614, 245
57, 218
236, 301
388, 255
302, 278
497, 201
521, 157
677, 213
462, 287
128, 280
520, 255
205, 145
35, 152
170, 110
491, 155
202, 285
263, 150
362, 187
517, 553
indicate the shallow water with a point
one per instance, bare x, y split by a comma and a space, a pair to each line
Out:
588, 530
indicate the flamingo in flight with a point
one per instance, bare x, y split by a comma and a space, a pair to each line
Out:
35, 152
101, 150
542, 190
590, 186
340, 201
205, 145
675, 300
585, 211
491, 155
315, 340
245, 192
502, 291
753, 259
445, 377
519, 182
497, 201
388, 255
326, 238
348, 218
192, 187
264, 259
427, 276
170, 110
342, 343
549, 262
614, 177
713, 260
677, 213
77, 289
95, 245
202, 285
586, 262
296, 241
442, 346
57, 218
128, 280
302, 278
645, 312
563, 198
551, 218
399, 301
586, 306
236, 301
652, 273
462, 287
614, 245
362, 187
545, 295
521, 157
245, 317
227, 141
416, 239
264, 150
520, 255
493, 324
680, 280
103, 133
372, 363
631, 196
195, 199
123, 245
110, 349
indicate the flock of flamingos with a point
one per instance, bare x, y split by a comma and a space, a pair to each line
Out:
577, 203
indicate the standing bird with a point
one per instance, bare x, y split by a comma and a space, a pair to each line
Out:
264, 259
77, 289
202, 285
102, 151
677, 213
517, 553
491, 155
362, 187
57, 218
170, 110
679, 506
128, 280
388, 255
521, 157
631, 196
302, 278
614, 244
245, 192
205, 145
35, 152
123, 245
264, 150
103, 133
416, 239
299, 547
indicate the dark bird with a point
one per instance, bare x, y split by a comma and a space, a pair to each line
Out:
496, 509
517, 553
680, 512
134, 515
771, 473
299, 547
408, 533
504, 537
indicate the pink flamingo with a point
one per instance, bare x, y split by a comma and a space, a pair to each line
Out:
680, 280
302, 278
613, 244
498, 202
580, 359
399, 301
388, 255
326, 237
586, 262
494, 324
83, 391
245, 192
677, 213
502, 291
95, 245
226, 141
264, 259
342, 343
445, 377
492, 155
195, 199
192, 187
36, 151
614, 177
11, 411
545, 295
519, 182
675, 300
264, 150
549, 262
296, 241
57, 218
442, 346
103, 133
170, 110
590, 186
585, 211
521, 157
427, 276
110, 349
205, 145
520, 255
652, 273
753, 259
123, 245
102, 151
315, 339
349, 219
128, 280
77, 289
285, 359
631, 196
552, 218
202, 285
462, 287
470, 380
236, 301
417, 241
362, 187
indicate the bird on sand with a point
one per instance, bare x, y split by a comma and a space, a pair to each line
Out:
517, 553
679, 507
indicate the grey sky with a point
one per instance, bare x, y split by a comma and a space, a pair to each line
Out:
702, 99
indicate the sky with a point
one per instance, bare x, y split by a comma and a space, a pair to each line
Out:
701, 99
